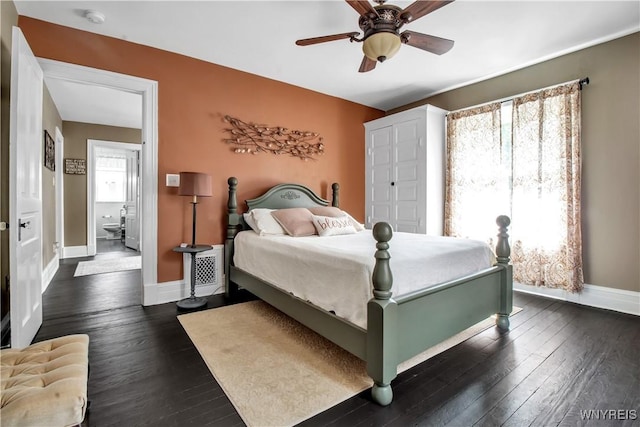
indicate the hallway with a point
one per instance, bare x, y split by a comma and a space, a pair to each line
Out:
71, 296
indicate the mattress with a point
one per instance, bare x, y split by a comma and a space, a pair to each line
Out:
334, 273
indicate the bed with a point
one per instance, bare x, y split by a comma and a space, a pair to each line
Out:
396, 327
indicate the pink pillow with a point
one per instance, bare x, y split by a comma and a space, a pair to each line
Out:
333, 226
335, 212
296, 222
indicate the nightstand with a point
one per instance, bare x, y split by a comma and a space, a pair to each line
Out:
192, 302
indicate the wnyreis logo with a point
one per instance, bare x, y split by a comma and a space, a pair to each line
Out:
608, 414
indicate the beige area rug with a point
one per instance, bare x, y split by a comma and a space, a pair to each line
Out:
277, 372
86, 268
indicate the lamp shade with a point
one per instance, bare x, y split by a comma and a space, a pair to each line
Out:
381, 46
195, 184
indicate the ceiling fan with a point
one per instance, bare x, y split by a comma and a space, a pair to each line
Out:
381, 27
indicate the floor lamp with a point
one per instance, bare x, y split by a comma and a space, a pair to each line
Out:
193, 184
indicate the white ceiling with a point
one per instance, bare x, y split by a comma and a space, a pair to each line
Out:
93, 104
491, 38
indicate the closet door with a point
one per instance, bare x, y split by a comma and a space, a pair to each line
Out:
408, 179
380, 171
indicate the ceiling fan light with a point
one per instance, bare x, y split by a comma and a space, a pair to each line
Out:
381, 46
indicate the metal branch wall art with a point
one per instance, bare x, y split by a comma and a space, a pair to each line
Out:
250, 138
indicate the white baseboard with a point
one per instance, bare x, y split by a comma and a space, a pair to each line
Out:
176, 290
74, 252
592, 295
49, 271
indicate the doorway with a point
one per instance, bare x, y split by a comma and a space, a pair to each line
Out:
148, 154
113, 220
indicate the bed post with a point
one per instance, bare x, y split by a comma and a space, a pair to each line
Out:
382, 321
503, 251
335, 197
232, 228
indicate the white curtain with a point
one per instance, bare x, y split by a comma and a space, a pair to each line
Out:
528, 169
476, 189
547, 238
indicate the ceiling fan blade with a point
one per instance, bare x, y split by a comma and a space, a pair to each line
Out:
363, 7
322, 39
367, 65
420, 8
426, 42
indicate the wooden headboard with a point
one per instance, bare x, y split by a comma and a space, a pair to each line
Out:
284, 196
281, 196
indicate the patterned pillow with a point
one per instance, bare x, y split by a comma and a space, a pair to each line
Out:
296, 222
333, 226
335, 212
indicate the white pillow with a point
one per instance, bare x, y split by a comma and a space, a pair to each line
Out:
266, 225
333, 226
358, 226
335, 212
250, 222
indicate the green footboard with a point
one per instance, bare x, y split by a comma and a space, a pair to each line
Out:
429, 317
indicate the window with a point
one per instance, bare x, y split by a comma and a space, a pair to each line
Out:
111, 178
521, 158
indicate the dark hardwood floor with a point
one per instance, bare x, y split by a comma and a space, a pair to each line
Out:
557, 360
112, 245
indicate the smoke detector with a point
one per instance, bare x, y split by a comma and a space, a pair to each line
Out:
94, 16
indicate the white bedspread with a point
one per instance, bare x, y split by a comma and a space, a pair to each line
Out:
334, 272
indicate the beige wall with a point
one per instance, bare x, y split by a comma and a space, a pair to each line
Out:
8, 18
50, 120
75, 186
610, 148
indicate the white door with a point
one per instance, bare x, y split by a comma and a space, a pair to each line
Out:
380, 190
409, 190
131, 218
25, 198
396, 191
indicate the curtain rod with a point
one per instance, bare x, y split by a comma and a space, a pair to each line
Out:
584, 81
581, 83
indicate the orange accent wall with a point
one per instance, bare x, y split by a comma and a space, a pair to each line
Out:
193, 97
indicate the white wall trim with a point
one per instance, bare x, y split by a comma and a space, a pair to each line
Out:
592, 295
59, 141
149, 174
176, 290
49, 271
74, 252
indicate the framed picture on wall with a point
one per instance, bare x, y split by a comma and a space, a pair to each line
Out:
49, 152
75, 166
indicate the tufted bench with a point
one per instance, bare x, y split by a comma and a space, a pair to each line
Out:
45, 384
